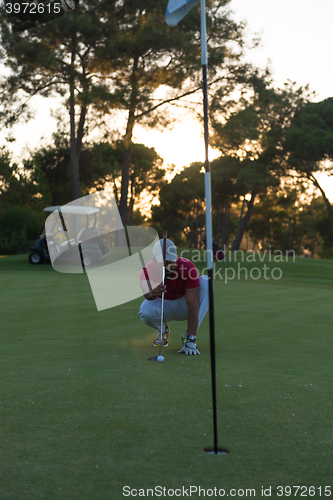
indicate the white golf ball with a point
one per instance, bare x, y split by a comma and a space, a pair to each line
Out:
160, 359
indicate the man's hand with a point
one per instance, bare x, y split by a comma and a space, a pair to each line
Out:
156, 292
189, 346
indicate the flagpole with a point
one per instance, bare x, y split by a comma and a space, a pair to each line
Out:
209, 232
175, 11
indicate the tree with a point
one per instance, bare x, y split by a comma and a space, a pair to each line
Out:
253, 133
182, 206
50, 164
309, 143
20, 203
289, 220
18, 184
274, 224
224, 193
159, 56
59, 58
112, 54
325, 228
100, 166
310, 219
146, 176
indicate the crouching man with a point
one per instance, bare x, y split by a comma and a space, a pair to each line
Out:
185, 296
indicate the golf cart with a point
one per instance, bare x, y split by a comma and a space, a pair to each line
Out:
58, 242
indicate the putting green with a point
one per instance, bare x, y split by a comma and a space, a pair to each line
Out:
84, 414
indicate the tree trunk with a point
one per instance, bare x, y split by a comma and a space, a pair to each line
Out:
191, 230
131, 204
196, 225
202, 224
312, 178
115, 189
243, 223
125, 175
226, 223
127, 154
73, 167
218, 223
80, 131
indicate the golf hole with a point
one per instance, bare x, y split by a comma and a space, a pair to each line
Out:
220, 451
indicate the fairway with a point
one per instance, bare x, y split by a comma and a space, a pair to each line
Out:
84, 414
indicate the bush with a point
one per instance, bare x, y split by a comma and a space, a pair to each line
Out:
326, 252
19, 229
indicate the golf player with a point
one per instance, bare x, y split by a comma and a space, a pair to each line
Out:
185, 296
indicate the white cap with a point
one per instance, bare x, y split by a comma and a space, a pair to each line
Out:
171, 251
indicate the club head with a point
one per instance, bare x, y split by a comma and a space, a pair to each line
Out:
153, 358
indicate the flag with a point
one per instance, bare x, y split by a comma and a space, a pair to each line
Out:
177, 9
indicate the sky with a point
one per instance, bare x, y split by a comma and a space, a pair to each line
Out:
297, 41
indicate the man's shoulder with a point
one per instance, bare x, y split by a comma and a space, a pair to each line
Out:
185, 262
188, 272
187, 268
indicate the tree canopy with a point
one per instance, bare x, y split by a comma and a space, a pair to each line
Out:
310, 136
253, 132
309, 142
110, 55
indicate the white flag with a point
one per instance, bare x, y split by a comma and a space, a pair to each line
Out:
177, 9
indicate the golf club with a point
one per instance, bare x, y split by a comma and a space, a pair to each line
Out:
154, 358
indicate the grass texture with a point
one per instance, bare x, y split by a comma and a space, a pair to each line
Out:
83, 413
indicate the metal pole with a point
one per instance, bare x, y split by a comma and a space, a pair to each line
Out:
209, 232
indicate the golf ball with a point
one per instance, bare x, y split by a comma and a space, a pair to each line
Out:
160, 359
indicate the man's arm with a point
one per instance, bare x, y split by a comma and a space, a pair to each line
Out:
151, 294
192, 301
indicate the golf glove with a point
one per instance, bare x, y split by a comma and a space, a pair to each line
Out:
189, 346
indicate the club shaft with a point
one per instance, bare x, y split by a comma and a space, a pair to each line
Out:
162, 313
163, 280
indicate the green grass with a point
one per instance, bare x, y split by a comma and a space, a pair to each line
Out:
83, 413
